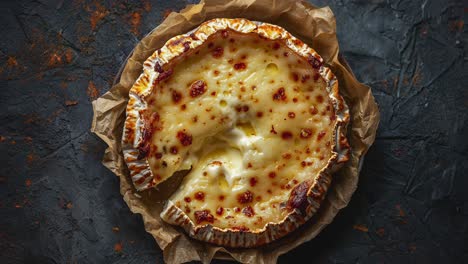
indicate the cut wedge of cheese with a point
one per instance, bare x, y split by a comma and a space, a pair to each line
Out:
255, 117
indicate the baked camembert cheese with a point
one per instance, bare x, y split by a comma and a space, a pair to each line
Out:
255, 118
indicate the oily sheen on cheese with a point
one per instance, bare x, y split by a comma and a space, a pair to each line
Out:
259, 124
252, 122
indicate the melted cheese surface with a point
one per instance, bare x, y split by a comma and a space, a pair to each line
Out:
250, 119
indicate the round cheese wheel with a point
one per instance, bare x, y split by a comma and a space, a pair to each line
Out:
253, 115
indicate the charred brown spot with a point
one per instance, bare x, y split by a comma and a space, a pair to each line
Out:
240, 66
280, 95
286, 135
197, 88
305, 78
186, 46
314, 62
164, 75
291, 115
221, 197
177, 41
224, 33
316, 76
187, 199
295, 100
273, 131
248, 211
158, 68
193, 36
184, 138
143, 151
286, 155
276, 45
216, 72
245, 108
319, 98
173, 150
158, 155
183, 107
203, 216
298, 197
217, 52
272, 175
253, 181
321, 135
217, 163
294, 76
246, 197
240, 228
313, 110
259, 114
148, 130
200, 196
176, 96
210, 45
298, 42
220, 210
306, 133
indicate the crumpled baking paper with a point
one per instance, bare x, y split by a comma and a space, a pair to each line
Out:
314, 26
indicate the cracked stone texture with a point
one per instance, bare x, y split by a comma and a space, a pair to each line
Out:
58, 204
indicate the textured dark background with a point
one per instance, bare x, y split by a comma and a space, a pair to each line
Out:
58, 204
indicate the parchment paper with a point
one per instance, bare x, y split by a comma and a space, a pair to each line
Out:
316, 27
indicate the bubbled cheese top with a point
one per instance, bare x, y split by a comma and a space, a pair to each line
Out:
249, 118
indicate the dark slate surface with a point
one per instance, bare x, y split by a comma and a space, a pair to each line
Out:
58, 204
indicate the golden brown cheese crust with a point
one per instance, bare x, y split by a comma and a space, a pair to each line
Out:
242, 220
